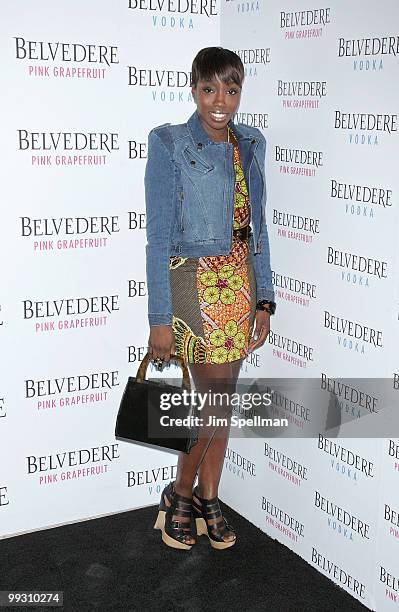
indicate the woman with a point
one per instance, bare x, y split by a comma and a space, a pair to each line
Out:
208, 276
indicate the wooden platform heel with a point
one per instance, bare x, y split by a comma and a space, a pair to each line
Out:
174, 532
209, 521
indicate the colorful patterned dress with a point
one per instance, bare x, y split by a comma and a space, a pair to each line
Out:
213, 298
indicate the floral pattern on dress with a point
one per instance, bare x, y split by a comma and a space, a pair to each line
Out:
227, 342
223, 284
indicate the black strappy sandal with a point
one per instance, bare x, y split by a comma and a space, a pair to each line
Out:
174, 532
209, 521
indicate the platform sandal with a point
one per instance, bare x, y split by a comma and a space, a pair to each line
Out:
210, 521
174, 532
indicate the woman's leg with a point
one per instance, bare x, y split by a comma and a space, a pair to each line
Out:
210, 470
207, 456
208, 378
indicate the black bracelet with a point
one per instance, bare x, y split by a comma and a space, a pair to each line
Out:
267, 305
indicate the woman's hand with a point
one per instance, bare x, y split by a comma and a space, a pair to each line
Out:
161, 342
262, 329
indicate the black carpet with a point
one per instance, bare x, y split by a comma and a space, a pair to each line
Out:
119, 562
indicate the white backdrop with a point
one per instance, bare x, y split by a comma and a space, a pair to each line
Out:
333, 501
73, 321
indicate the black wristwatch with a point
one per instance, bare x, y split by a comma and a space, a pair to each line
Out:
267, 305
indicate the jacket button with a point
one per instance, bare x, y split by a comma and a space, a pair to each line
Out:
192, 162
199, 145
253, 141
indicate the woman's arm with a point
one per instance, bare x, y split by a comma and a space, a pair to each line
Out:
159, 189
261, 261
262, 268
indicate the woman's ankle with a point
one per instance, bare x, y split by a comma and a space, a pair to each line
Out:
206, 492
182, 489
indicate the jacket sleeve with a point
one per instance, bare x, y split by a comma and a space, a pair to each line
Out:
261, 261
159, 190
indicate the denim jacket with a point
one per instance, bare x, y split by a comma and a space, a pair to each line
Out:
189, 193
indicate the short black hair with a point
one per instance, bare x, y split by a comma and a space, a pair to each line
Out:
217, 62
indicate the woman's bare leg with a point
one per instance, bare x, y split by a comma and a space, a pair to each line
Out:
207, 456
210, 469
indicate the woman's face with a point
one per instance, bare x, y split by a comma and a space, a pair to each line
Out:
217, 102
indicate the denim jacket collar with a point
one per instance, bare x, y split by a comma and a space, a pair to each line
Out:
200, 136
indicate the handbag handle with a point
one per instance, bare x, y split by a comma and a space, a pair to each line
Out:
142, 370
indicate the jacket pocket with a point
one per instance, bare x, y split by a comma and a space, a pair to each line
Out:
194, 163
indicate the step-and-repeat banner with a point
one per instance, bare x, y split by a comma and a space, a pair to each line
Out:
321, 85
82, 86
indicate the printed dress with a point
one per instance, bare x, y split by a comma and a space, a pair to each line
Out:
213, 298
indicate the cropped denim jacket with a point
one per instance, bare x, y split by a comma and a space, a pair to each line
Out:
189, 193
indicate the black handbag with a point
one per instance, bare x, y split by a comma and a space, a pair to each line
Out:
144, 418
